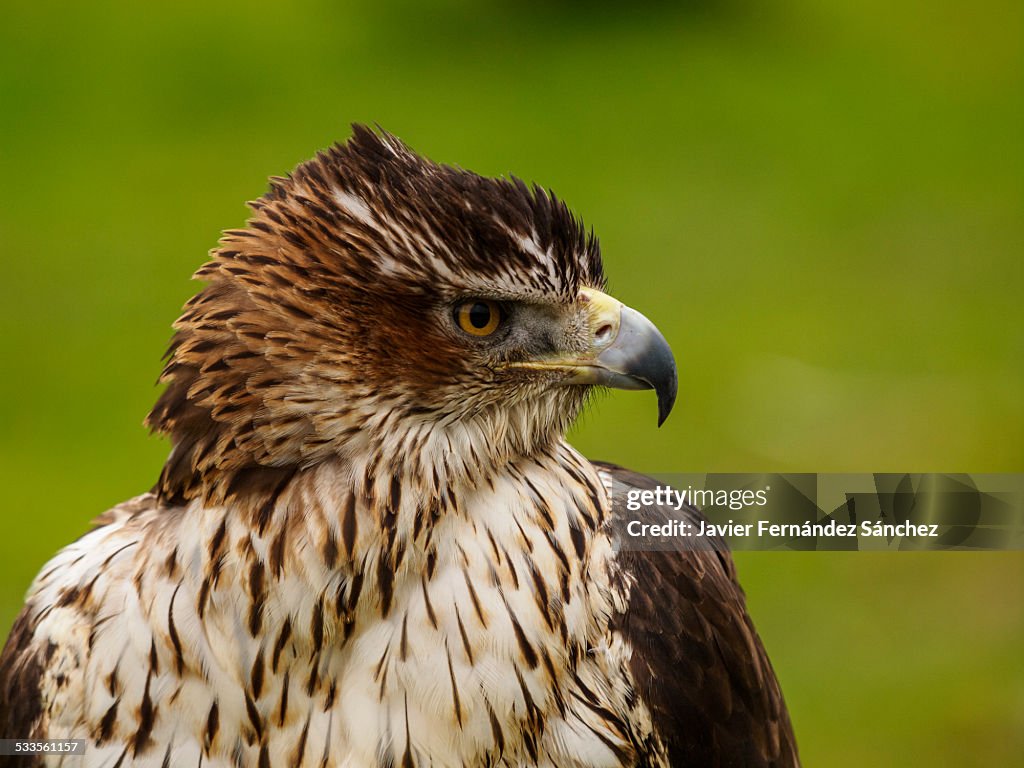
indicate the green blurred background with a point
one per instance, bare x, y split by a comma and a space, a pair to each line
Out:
820, 203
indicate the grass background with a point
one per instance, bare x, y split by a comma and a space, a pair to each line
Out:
820, 204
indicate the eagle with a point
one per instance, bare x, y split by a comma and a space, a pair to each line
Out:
370, 544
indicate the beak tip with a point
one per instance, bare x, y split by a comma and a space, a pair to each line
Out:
666, 401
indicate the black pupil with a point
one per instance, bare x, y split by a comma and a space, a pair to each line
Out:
479, 315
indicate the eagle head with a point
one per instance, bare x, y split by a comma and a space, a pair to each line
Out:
378, 303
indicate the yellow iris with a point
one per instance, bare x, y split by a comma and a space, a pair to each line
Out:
479, 317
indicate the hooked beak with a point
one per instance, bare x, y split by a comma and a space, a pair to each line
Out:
626, 351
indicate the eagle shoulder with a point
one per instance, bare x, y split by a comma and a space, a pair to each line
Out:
44, 666
697, 661
22, 665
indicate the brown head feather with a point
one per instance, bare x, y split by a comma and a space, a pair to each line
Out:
319, 327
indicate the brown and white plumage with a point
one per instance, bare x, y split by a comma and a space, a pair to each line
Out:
371, 544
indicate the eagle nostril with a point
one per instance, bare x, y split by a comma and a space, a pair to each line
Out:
603, 335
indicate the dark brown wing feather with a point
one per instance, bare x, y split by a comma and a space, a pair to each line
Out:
698, 662
21, 667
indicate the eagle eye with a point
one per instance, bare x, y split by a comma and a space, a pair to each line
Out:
478, 317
